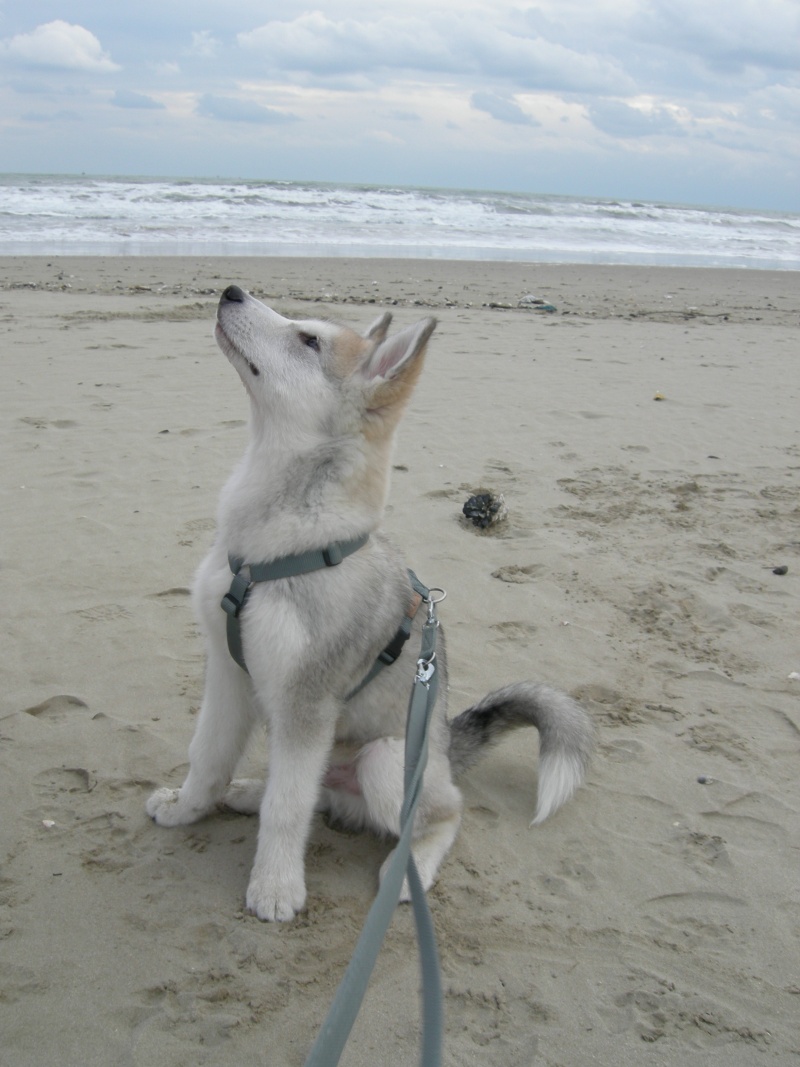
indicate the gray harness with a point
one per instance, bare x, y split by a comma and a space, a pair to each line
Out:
246, 575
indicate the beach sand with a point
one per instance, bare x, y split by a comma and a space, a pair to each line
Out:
656, 918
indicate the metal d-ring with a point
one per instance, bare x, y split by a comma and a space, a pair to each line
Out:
432, 601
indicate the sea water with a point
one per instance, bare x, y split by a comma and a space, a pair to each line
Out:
83, 215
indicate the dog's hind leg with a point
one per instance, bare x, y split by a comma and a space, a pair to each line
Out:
380, 776
223, 727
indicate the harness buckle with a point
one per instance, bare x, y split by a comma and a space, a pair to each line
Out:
233, 601
332, 554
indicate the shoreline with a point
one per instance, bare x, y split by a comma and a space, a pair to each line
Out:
593, 290
654, 919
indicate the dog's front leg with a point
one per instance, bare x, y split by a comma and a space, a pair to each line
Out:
299, 751
223, 726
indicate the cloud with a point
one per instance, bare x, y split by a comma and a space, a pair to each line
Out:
129, 99
203, 45
621, 120
49, 117
61, 45
457, 43
234, 109
726, 36
502, 109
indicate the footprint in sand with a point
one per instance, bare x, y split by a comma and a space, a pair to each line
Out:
514, 631
57, 708
572, 879
187, 532
104, 613
687, 1019
56, 780
39, 423
624, 750
518, 574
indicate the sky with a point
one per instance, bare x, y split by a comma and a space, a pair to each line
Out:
683, 101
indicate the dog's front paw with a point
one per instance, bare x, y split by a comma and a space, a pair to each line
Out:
169, 808
272, 900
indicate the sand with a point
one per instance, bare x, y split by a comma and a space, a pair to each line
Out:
656, 918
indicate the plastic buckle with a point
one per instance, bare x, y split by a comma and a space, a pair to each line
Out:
332, 555
233, 601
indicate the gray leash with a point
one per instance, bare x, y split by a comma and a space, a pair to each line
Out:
336, 1029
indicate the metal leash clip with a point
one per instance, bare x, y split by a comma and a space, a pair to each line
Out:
425, 669
432, 601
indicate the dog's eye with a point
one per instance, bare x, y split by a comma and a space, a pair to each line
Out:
310, 341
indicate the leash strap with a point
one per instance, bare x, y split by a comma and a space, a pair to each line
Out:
335, 1031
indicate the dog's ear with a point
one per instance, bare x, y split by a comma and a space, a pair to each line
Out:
394, 354
380, 327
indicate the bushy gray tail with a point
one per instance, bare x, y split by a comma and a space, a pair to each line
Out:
565, 737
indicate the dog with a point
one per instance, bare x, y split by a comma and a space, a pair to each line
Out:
325, 403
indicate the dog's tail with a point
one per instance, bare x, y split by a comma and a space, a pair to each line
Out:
565, 737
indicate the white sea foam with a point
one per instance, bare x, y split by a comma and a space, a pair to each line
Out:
136, 216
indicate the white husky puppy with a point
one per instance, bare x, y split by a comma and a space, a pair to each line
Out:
325, 403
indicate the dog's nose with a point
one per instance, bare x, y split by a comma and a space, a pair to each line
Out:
233, 294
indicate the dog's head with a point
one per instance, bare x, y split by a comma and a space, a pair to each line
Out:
321, 377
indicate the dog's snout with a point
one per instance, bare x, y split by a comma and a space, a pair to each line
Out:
233, 294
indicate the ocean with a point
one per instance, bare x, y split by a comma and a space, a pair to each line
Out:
123, 216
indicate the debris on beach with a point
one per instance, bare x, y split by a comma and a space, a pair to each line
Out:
535, 303
783, 569
531, 302
659, 396
485, 508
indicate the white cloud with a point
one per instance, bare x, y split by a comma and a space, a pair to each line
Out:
62, 45
455, 44
203, 45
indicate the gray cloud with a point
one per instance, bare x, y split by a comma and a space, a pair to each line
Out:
502, 109
620, 120
725, 36
233, 109
128, 98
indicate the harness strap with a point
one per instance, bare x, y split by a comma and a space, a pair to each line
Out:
247, 574
316, 559
395, 646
